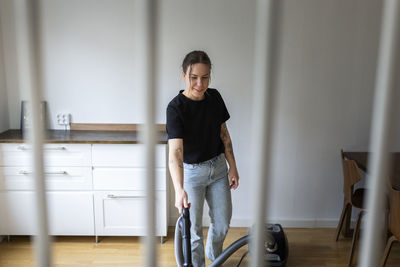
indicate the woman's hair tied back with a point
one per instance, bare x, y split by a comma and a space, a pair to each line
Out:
195, 57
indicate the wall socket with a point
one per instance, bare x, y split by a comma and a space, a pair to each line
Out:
63, 119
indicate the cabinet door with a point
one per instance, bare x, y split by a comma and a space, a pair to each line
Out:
123, 213
69, 213
17, 213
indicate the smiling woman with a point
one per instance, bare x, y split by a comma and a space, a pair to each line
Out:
199, 146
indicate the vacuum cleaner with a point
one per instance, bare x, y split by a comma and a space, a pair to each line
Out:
276, 245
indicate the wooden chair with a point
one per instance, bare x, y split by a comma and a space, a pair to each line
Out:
394, 226
351, 175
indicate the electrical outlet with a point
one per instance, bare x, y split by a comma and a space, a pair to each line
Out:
63, 119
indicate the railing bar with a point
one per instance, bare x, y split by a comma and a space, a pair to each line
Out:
267, 11
36, 137
148, 22
381, 133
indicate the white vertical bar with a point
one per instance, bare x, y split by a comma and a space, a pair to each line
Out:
371, 248
267, 11
42, 242
148, 22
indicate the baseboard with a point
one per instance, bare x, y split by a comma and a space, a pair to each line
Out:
286, 223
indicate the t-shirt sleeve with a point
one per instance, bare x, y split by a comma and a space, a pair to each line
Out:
224, 111
174, 123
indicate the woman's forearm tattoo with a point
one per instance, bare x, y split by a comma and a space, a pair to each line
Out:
178, 155
229, 149
224, 134
227, 141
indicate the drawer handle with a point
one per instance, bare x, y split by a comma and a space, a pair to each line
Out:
114, 196
56, 148
24, 148
52, 173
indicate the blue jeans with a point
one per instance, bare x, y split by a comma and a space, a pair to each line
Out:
208, 180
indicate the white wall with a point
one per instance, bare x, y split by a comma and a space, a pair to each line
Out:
4, 120
16, 56
326, 84
90, 61
326, 77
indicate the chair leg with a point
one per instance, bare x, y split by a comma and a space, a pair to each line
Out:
355, 237
386, 227
340, 224
387, 250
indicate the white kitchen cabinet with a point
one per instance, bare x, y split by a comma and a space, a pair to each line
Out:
123, 213
17, 213
69, 213
92, 189
120, 189
68, 179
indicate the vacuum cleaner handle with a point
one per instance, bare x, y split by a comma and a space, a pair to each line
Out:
187, 248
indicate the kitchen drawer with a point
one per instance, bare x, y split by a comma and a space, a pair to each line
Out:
54, 154
122, 155
123, 213
57, 178
125, 178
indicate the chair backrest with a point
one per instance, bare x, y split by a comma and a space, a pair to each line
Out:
395, 212
351, 175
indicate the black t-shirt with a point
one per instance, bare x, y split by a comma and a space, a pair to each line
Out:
198, 123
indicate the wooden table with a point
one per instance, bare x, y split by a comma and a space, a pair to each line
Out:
361, 158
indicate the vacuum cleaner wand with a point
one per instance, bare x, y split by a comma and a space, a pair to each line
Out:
187, 247
182, 240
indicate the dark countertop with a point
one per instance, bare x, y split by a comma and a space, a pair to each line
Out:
82, 137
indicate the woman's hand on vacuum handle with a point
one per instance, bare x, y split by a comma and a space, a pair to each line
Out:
181, 200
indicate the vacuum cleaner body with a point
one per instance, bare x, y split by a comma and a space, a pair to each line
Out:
276, 244
277, 251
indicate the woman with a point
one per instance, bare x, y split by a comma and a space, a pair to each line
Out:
199, 146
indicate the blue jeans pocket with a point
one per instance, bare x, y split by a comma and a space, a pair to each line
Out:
221, 169
194, 174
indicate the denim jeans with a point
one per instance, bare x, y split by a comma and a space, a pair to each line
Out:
208, 181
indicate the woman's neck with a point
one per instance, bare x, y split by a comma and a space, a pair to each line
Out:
187, 93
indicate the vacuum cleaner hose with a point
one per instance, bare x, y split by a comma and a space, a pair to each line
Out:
229, 251
218, 261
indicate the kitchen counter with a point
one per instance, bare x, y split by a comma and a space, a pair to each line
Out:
82, 137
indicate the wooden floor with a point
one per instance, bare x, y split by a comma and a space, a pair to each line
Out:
307, 247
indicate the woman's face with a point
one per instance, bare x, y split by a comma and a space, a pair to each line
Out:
197, 79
